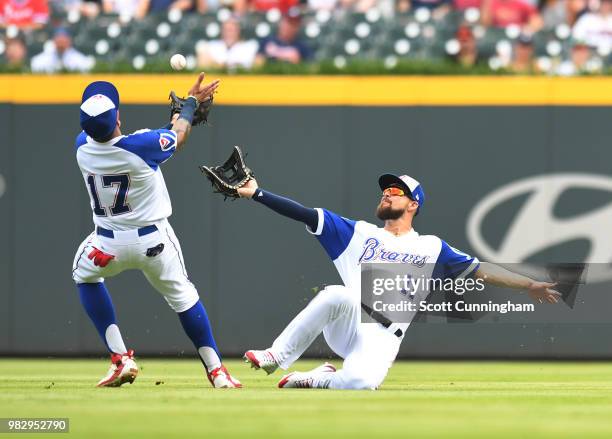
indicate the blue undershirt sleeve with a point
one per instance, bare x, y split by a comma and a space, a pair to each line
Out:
333, 231
287, 207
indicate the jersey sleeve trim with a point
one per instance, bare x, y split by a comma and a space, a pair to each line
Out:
319, 223
471, 269
154, 147
334, 233
453, 263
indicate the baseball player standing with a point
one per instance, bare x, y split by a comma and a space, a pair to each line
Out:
130, 205
368, 350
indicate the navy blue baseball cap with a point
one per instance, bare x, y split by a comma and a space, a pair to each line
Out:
410, 185
99, 107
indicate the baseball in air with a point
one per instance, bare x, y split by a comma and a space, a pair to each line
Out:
178, 61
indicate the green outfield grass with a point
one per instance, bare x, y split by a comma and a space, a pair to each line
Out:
171, 398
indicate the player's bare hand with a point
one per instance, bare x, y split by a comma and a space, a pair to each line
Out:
543, 292
248, 190
203, 92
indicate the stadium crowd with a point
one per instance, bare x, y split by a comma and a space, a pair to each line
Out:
563, 37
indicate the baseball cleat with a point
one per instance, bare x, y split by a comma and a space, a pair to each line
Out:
306, 380
123, 370
261, 360
220, 378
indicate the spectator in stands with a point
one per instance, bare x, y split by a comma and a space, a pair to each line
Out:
204, 6
579, 62
556, 12
468, 55
125, 8
25, 14
241, 6
462, 5
438, 7
87, 8
286, 46
595, 28
503, 13
358, 5
341, 7
156, 6
523, 61
61, 56
318, 5
230, 51
15, 53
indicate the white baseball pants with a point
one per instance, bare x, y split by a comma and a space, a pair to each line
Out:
368, 349
165, 271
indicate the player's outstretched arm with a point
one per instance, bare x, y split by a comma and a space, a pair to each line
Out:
499, 276
197, 93
281, 205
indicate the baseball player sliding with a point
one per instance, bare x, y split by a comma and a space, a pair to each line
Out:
130, 205
368, 349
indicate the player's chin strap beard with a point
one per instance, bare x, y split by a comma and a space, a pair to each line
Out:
388, 213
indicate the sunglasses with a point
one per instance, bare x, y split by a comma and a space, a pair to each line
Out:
394, 191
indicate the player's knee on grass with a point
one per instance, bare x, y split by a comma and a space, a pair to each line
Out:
361, 372
365, 384
349, 380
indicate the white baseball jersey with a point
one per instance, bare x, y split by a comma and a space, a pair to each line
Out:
125, 184
127, 192
350, 243
368, 350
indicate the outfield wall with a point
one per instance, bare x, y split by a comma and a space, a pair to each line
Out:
462, 137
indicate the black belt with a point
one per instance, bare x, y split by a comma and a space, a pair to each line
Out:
381, 319
141, 232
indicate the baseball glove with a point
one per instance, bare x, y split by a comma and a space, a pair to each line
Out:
201, 113
227, 178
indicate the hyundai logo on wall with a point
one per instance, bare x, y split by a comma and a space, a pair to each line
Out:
535, 227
